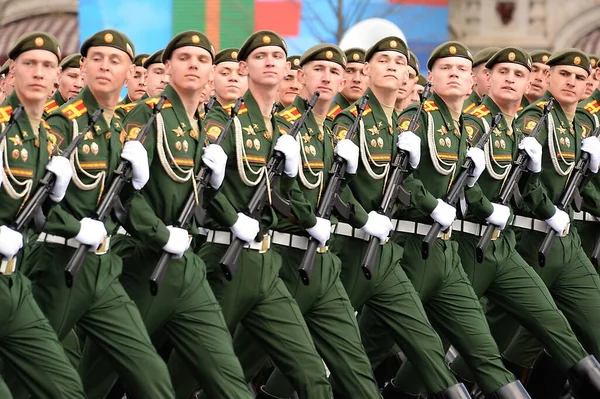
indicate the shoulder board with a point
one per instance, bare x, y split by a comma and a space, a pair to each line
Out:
430, 106
50, 106
480, 111
5, 113
74, 110
541, 104
127, 107
290, 114
334, 111
365, 112
229, 106
469, 108
152, 101
592, 107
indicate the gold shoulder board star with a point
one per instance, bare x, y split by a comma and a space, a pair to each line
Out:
306, 138
561, 130
442, 130
179, 131
379, 124
16, 140
255, 126
374, 130
310, 130
497, 132
250, 130
97, 128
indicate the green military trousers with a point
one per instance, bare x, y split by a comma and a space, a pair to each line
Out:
513, 286
186, 312
453, 309
389, 301
330, 318
259, 300
29, 348
100, 306
589, 233
575, 286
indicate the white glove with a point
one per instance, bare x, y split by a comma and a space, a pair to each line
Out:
291, 149
591, 145
321, 231
534, 151
10, 242
444, 214
559, 221
134, 152
178, 242
61, 167
478, 158
411, 143
379, 226
349, 151
245, 228
499, 216
91, 232
215, 158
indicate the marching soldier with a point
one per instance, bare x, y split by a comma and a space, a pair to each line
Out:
387, 300
356, 82
405, 97
97, 302
593, 79
289, 87
157, 77
70, 83
228, 84
136, 85
537, 79
6, 81
480, 77
28, 347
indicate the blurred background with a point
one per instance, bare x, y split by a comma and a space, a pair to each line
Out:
531, 24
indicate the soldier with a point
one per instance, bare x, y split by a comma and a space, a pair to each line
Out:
480, 77
568, 273
324, 303
356, 82
418, 89
537, 79
157, 78
70, 83
593, 79
6, 81
289, 87
503, 276
387, 299
444, 289
28, 346
405, 97
228, 84
97, 302
136, 85
185, 309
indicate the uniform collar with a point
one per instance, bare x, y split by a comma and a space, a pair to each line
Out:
254, 112
58, 98
445, 112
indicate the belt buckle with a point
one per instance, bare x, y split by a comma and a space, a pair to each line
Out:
323, 249
495, 234
103, 248
446, 235
8, 267
265, 244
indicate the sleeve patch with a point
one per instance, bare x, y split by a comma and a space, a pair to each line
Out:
213, 130
529, 123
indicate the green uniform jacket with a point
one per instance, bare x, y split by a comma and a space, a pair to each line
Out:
25, 157
98, 154
172, 154
443, 149
589, 109
471, 102
316, 157
54, 103
250, 147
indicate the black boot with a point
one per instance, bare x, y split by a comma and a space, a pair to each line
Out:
584, 378
522, 373
546, 381
457, 391
514, 390
262, 394
391, 392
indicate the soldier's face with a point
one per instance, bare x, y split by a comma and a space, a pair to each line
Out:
266, 66
34, 74
481, 83
190, 68
567, 83
106, 69
415, 96
325, 76
228, 84
70, 82
508, 82
591, 84
136, 86
356, 81
289, 88
451, 77
406, 89
157, 79
387, 70
538, 83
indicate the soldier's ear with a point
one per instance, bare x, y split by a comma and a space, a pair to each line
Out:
211, 76
301, 78
596, 73
367, 69
243, 68
343, 83
527, 86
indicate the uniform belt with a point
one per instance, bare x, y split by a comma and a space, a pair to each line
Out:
294, 241
406, 226
531, 224
8, 267
225, 238
344, 229
584, 216
475, 229
73, 243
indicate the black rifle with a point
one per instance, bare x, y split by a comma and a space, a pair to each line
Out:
210, 104
570, 192
110, 200
330, 198
459, 185
264, 194
46, 184
393, 191
11, 121
191, 206
510, 187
